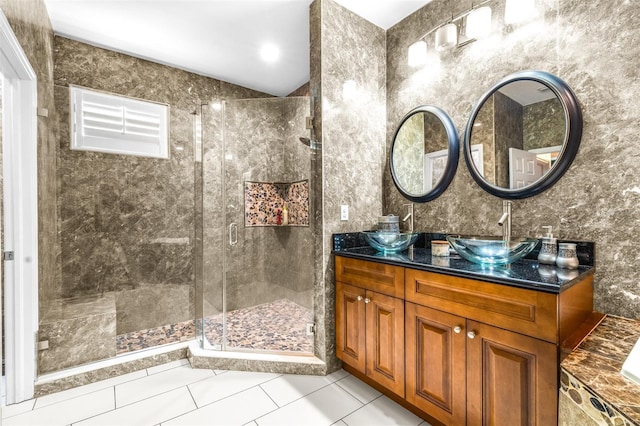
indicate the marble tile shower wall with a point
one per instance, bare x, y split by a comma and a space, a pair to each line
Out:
261, 144
126, 224
30, 23
344, 47
598, 198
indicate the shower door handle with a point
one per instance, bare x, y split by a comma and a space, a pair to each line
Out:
233, 234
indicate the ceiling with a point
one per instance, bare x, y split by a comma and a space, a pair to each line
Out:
215, 38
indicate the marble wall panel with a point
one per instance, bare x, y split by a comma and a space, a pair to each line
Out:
484, 135
345, 47
78, 331
597, 199
126, 220
321, 307
297, 156
30, 23
543, 124
162, 304
214, 230
409, 152
508, 122
261, 141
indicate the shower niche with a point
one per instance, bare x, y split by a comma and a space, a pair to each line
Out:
265, 203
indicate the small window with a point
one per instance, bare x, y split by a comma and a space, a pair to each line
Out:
117, 124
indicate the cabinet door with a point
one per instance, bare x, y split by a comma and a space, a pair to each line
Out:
512, 379
385, 341
350, 325
436, 363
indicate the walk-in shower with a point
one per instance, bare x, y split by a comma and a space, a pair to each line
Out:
216, 243
256, 231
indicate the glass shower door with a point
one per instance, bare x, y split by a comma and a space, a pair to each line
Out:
267, 250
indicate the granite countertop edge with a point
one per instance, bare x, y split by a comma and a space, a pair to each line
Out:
522, 274
597, 362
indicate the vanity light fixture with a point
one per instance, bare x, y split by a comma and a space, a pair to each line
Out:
479, 23
460, 30
417, 53
447, 37
517, 11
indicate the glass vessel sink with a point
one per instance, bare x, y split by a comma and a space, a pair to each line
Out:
492, 250
390, 242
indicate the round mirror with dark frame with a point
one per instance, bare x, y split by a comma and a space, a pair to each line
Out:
424, 153
523, 134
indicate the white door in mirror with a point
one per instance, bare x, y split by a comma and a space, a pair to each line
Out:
631, 367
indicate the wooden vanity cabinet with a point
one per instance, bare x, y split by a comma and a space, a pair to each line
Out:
489, 377
370, 324
475, 352
480, 353
512, 379
436, 363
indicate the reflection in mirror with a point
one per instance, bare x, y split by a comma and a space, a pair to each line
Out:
519, 128
524, 125
422, 158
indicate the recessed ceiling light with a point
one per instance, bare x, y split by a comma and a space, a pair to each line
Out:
270, 53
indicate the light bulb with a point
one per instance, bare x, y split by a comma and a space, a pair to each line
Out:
417, 54
517, 11
446, 37
479, 23
270, 53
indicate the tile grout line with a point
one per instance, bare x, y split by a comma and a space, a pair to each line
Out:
186, 412
97, 414
359, 408
268, 396
337, 382
162, 393
236, 393
88, 393
33, 404
192, 397
307, 395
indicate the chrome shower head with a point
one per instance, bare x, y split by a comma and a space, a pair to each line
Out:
305, 141
311, 143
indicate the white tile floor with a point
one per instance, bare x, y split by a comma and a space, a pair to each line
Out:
176, 394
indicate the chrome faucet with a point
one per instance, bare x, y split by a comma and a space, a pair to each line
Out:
505, 220
409, 216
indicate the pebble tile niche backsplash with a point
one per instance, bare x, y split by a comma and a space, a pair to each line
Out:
263, 201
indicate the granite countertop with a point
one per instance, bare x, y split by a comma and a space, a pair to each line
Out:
526, 273
597, 363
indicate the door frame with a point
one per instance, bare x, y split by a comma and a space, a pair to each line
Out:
20, 198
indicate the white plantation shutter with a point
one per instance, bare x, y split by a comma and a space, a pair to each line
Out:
117, 124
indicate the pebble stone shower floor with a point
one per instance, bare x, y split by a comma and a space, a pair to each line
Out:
275, 326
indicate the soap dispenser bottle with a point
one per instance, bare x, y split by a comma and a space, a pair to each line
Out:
549, 248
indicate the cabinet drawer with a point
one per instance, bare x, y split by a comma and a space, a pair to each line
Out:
533, 313
385, 279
